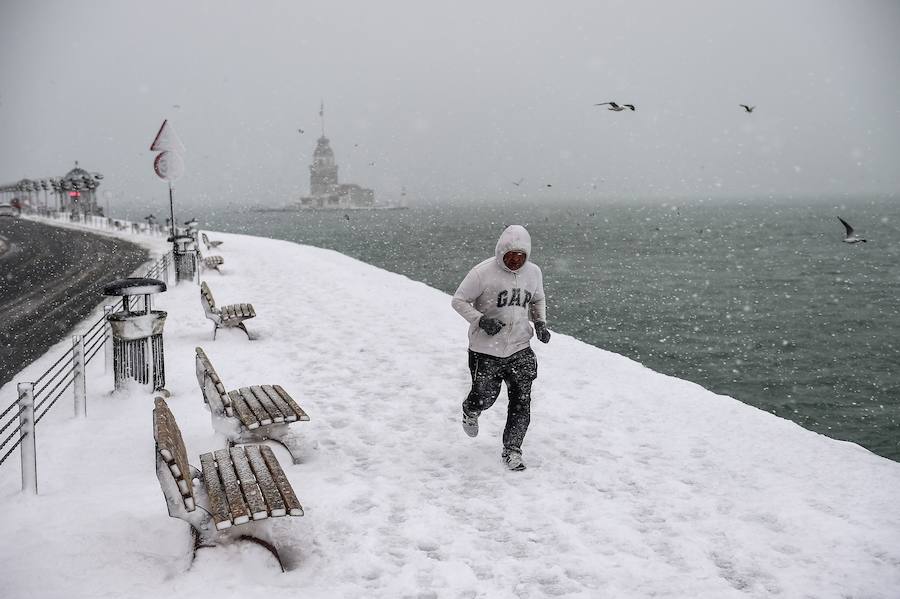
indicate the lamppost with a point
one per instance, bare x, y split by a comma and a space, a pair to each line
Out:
66, 202
96, 183
88, 183
55, 183
26, 187
45, 185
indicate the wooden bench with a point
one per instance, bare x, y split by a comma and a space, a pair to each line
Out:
237, 490
249, 414
229, 316
210, 245
212, 262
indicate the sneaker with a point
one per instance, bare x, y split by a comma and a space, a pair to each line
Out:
513, 460
470, 424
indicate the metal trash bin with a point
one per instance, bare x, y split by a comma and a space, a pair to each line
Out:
137, 334
184, 251
193, 230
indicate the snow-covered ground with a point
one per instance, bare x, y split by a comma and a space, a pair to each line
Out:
638, 484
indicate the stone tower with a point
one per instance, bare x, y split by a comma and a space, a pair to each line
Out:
323, 172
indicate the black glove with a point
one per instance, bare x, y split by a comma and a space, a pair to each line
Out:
491, 326
542, 332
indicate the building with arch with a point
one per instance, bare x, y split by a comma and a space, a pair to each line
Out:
76, 191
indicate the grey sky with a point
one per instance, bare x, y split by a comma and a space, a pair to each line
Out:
457, 99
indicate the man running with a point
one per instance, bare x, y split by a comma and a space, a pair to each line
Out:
499, 298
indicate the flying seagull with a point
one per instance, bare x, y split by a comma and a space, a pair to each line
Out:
747, 108
519, 182
301, 131
616, 107
850, 237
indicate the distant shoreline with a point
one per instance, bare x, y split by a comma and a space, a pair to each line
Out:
342, 209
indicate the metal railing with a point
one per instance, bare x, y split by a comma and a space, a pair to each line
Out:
36, 398
103, 223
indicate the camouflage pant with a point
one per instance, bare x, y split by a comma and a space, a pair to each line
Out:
518, 371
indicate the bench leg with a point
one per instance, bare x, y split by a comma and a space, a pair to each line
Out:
241, 326
263, 543
215, 330
292, 444
260, 533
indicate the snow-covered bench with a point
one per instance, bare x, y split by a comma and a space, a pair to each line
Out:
210, 245
212, 262
249, 414
232, 497
229, 316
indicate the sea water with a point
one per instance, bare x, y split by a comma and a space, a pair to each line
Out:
759, 300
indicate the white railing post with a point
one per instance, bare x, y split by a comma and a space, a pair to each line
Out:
165, 268
107, 344
26, 438
78, 376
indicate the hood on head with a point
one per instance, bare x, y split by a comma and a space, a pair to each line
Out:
515, 238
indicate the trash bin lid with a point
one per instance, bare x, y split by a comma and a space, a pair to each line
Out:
134, 286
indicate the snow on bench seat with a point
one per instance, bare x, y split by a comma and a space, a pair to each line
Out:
239, 485
212, 262
209, 244
232, 315
249, 414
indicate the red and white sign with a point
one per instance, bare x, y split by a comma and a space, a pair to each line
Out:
167, 140
168, 166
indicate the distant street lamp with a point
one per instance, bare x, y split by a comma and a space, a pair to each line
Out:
107, 194
45, 185
56, 184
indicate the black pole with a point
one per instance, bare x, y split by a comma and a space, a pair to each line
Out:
171, 211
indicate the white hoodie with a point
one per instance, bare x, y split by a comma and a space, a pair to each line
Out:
512, 297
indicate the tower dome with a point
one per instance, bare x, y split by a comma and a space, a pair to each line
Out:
77, 173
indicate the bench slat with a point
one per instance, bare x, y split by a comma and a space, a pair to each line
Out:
204, 364
248, 483
171, 448
266, 482
239, 511
281, 481
201, 366
289, 414
244, 413
218, 505
301, 415
255, 406
268, 405
207, 295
